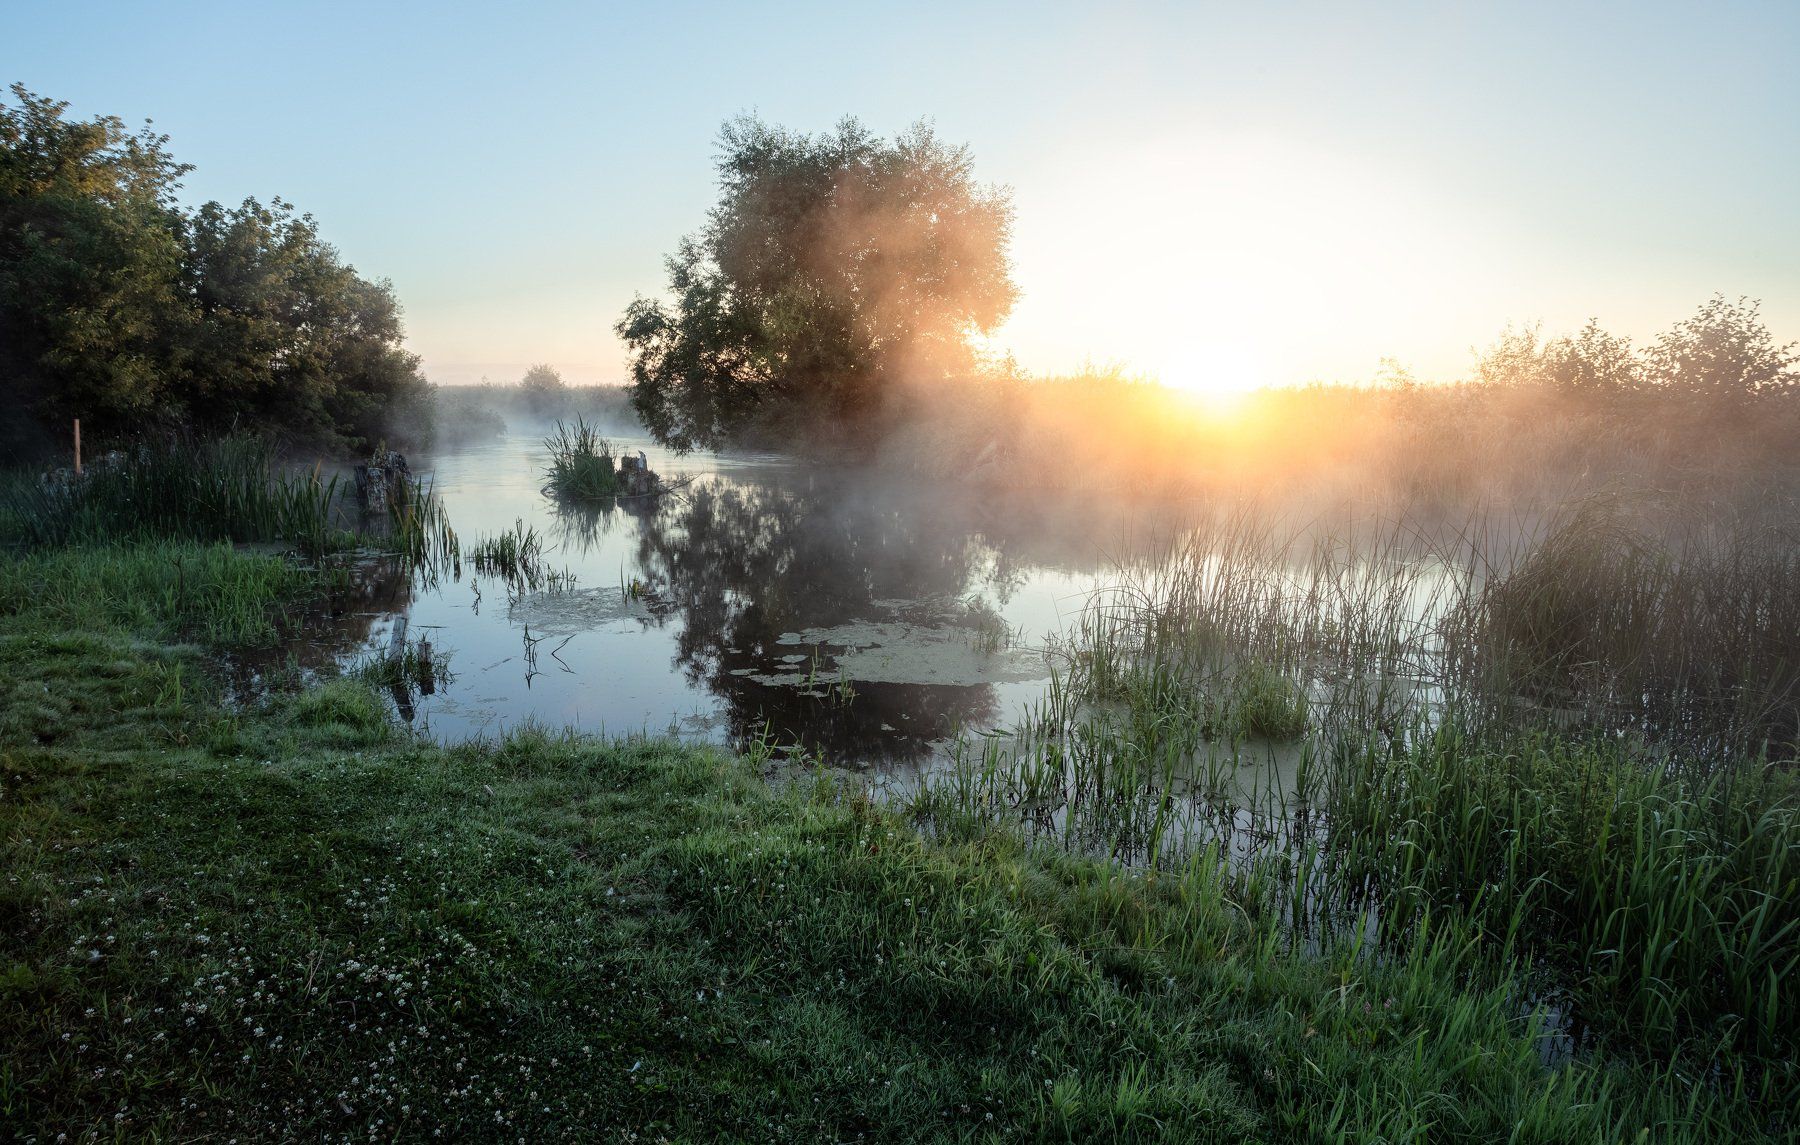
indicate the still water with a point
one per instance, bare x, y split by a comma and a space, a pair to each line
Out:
867, 623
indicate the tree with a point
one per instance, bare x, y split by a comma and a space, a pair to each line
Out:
1724, 352
543, 388
119, 306
1590, 363
833, 268
91, 305
1593, 362
288, 335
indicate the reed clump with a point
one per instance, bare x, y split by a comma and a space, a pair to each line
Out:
516, 553
1557, 748
516, 558
1691, 639
582, 464
231, 488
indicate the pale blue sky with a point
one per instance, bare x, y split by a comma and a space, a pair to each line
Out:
1284, 191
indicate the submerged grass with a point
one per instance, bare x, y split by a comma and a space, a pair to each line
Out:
294, 922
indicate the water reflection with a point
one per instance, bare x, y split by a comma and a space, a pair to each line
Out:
764, 598
359, 611
744, 566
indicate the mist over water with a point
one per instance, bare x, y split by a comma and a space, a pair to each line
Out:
862, 621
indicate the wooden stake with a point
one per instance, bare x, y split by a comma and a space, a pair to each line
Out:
78, 447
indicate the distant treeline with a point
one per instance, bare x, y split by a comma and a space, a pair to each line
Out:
460, 414
123, 308
1714, 400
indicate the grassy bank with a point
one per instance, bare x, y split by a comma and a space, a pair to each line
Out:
1576, 767
293, 922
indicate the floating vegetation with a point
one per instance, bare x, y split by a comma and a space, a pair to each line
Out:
990, 633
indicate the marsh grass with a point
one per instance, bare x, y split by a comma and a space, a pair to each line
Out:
419, 532
1262, 702
291, 920
1637, 862
228, 489
582, 467
1663, 903
232, 488
1691, 639
509, 554
516, 559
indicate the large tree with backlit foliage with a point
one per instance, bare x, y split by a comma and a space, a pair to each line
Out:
834, 269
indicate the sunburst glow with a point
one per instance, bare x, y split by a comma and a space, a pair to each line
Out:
1218, 376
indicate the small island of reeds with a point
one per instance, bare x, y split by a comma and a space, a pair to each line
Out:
582, 464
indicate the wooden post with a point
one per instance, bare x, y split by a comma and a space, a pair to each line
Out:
78, 447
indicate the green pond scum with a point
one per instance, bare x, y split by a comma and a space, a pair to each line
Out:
288, 920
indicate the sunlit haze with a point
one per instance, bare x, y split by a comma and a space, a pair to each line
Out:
1224, 196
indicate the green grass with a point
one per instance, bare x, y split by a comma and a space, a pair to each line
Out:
1666, 908
160, 589
228, 489
1261, 701
581, 463
294, 922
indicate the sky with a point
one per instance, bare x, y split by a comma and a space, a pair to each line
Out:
1236, 193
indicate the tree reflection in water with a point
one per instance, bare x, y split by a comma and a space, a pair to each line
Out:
743, 564
736, 565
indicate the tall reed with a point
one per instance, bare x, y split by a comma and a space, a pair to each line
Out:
581, 463
1550, 743
231, 489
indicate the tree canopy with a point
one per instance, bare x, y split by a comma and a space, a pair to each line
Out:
121, 307
833, 268
1723, 355
543, 388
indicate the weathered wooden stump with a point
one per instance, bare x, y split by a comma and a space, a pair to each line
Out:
635, 476
381, 482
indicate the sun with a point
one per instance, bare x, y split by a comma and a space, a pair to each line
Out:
1217, 377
